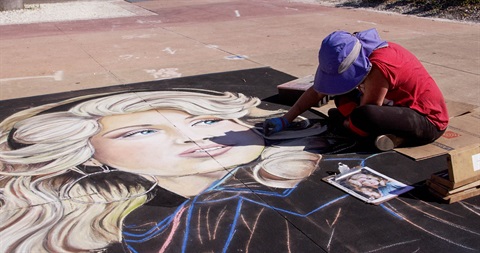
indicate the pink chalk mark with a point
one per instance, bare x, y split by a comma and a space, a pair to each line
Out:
176, 222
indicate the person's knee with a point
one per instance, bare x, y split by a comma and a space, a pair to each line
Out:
360, 120
347, 103
345, 106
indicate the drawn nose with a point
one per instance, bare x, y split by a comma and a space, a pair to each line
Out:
201, 139
188, 135
187, 139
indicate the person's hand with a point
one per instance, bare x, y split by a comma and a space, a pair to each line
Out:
273, 125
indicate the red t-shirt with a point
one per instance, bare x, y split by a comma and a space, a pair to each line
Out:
410, 84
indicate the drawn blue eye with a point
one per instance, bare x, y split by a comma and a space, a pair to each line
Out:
207, 122
142, 132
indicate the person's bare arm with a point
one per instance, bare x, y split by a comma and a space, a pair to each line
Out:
308, 99
375, 88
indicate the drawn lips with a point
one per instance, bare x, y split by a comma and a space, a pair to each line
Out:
207, 151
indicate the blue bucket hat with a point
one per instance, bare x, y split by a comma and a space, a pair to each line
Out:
343, 60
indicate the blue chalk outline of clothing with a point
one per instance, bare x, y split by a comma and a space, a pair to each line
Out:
217, 186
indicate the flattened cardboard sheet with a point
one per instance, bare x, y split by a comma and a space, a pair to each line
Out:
456, 109
462, 131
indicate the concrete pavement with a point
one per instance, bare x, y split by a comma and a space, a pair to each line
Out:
174, 38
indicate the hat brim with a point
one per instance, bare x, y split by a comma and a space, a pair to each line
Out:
342, 83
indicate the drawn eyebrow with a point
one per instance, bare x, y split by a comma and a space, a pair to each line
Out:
201, 117
126, 127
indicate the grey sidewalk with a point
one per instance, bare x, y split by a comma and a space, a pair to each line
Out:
168, 39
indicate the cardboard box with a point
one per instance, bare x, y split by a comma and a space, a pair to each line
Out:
463, 168
290, 92
465, 194
464, 165
442, 178
446, 190
463, 184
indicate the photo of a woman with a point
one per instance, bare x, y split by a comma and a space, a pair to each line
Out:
70, 178
373, 185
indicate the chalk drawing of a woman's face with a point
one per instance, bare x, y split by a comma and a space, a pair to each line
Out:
172, 143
